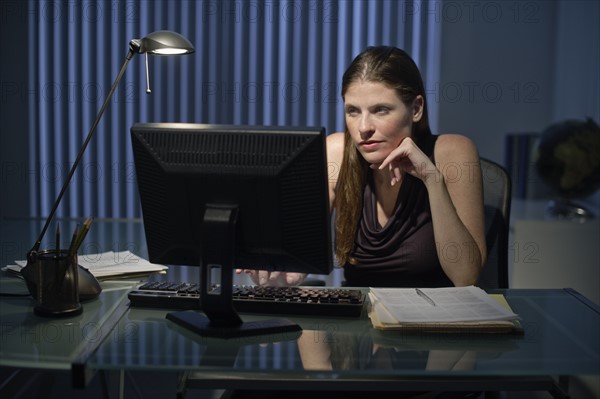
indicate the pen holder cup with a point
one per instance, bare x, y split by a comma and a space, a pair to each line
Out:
53, 280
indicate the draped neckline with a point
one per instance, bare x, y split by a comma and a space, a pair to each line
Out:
375, 226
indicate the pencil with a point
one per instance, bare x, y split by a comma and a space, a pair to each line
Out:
73, 241
84, 230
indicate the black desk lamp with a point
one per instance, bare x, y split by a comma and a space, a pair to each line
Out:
158, 43
58, 292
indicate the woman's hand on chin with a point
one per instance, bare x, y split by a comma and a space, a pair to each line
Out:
407, 158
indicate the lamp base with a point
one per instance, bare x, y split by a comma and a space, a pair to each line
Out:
565, 209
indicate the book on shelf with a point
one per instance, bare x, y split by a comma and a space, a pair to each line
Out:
447, 309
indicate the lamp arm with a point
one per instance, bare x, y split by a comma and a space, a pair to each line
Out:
132, 50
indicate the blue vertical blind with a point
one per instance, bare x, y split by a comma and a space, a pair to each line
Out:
256, 62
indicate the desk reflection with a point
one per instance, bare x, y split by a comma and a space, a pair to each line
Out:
374, 350
323, 345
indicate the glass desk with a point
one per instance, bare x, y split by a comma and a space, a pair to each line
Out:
31, 341
34, 342
561, 339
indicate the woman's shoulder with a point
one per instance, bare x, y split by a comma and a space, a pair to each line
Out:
335, 139
335, 146
335, 156
455, 156
451, 147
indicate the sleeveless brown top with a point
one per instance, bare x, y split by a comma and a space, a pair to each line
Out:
403, 252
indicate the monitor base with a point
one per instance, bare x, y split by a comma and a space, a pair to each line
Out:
202, 326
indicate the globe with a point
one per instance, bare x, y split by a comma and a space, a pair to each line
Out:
568, 161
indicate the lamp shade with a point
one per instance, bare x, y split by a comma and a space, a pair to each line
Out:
164, 42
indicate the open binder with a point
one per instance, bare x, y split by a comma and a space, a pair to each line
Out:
451, 309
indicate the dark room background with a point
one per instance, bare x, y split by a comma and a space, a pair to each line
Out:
491, 68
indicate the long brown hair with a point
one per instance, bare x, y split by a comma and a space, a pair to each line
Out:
394, 68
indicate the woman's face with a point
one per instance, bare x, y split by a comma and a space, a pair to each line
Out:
377, 119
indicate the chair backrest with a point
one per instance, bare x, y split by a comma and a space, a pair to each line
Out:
496, 199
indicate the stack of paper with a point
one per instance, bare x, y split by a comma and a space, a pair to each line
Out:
468, 309
108, 264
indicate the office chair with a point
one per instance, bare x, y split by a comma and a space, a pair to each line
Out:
496, 200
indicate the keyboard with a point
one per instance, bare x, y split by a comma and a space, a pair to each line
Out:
313, 301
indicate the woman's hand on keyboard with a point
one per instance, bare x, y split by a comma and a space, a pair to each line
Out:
277, 279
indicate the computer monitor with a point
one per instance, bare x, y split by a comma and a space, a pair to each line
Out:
223, 197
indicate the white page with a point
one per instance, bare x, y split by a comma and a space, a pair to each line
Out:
111, 263
452, 304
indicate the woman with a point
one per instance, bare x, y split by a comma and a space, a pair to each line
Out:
408, 204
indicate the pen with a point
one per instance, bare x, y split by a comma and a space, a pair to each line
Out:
58, 240
425, 296
57, 256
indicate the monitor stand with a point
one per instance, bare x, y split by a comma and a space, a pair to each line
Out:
220, 319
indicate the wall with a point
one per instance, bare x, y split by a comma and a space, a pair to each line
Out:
577, 60
14, 193
516, 66
494, 74
506, 66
